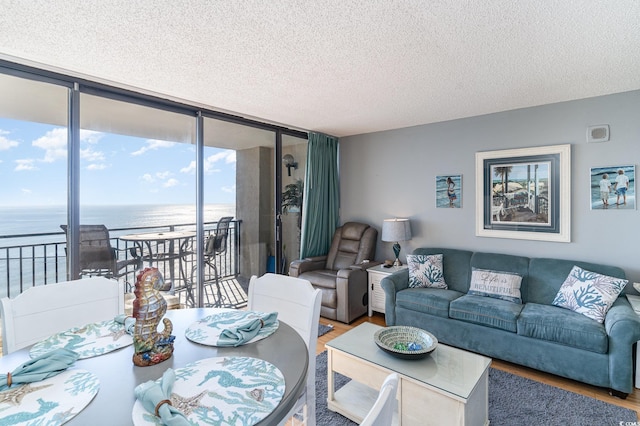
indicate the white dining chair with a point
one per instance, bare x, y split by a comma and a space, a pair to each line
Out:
43, 310
298, 305
381, 414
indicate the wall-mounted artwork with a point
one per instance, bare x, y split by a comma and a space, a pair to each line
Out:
613, 187
524, 193
449, 191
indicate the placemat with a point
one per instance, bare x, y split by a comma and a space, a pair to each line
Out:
53, 401
222, 391
207, 331
91, 340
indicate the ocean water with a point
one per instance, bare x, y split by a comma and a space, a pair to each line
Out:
41, 263
47, 219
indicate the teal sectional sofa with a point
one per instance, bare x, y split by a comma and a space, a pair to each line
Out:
535, 333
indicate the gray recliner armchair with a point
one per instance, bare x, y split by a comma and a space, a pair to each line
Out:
341, 274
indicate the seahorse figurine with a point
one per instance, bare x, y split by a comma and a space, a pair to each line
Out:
150, 346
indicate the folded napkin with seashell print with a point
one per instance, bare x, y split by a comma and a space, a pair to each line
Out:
246, 330
46, 365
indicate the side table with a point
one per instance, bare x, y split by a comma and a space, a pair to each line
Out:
635, 304
376, 293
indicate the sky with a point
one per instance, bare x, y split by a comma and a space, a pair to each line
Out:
115, 169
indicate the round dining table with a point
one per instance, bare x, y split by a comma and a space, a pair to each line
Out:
118, 376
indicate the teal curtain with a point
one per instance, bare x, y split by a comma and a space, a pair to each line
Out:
321, 200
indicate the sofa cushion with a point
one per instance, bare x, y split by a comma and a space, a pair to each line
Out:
425, 271
547, 275
433, 301
455, 264
589, 293
487, 311
562, 326
504, 263
500, 285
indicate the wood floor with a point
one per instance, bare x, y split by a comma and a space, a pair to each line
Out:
632, 402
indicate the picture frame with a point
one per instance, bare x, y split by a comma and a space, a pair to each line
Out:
615, 198
536, 204
449, 191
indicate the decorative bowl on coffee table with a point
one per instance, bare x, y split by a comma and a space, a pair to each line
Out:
405, 342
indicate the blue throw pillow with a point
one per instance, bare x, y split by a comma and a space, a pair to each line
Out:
589, 293
425, 271
496, 284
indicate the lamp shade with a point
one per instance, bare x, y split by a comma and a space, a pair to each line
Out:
395, 230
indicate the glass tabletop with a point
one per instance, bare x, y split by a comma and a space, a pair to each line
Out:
452, 370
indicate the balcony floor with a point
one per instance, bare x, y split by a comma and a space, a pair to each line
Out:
232, 289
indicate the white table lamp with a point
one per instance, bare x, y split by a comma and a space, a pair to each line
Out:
395, 230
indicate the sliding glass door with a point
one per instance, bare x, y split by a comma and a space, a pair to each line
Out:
78, 154
294, 166
136, 181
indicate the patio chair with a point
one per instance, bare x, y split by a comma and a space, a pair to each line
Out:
44, 310
214, 247
381, 414
99, 258
298, 305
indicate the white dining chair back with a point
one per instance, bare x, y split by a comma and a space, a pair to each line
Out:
381, 414
44, 310
298, 305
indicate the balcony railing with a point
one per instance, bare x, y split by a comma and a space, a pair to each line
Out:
28, 260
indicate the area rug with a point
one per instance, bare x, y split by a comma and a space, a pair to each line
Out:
324, 329
513, 400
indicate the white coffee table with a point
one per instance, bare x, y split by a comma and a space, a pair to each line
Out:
448, 387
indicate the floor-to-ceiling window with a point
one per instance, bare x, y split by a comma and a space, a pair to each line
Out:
33, 138
138, 167
250, 150
136, 179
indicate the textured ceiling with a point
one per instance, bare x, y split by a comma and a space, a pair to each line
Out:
341, 67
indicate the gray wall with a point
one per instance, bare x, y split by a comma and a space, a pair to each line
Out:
392, 174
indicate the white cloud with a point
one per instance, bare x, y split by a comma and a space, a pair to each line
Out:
54, 143
153, 144
26, 191
231, 189
170, 183
152, 178
148, 178
96, 166
90, 136
227, 156
191, 168
160, 179
5, 143
89, 154
25, 165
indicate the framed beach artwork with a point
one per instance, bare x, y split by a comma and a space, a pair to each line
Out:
613, 187
524, 193
449, 191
